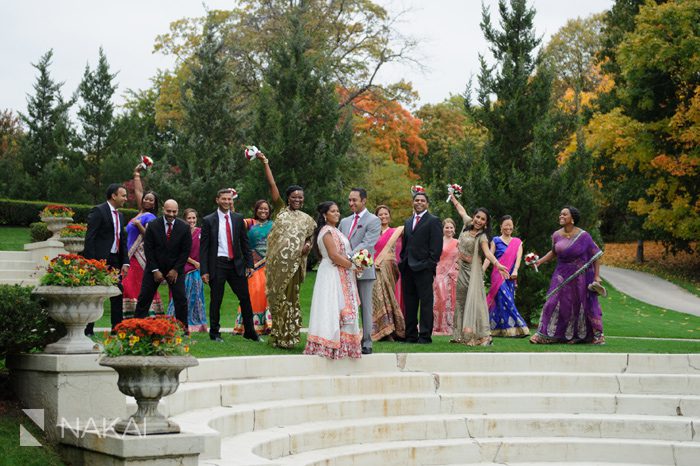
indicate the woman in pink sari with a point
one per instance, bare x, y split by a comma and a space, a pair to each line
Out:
387, 318
445, 283
505, 319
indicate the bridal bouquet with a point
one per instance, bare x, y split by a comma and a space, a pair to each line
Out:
416, 188
251, 152
234, 193
531, 259
146, 162
453, 190
362, 259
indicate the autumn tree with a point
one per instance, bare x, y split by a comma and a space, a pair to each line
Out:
11, 135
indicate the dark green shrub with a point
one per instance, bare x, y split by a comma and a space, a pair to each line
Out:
25, 324
14, 212
39, 232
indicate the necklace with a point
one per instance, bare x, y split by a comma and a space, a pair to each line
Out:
567, 235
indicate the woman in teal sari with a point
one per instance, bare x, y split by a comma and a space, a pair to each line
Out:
258, 229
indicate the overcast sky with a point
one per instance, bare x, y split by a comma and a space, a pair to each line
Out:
448, 30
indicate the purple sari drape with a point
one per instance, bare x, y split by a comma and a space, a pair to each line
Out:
573, 313
508, 259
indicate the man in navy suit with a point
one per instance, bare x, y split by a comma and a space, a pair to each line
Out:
225, 256
420, 253
166, 243
106, 240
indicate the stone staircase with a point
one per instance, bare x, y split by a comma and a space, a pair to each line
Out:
17, 267
444, 409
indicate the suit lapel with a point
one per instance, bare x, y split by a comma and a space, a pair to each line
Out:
215, 226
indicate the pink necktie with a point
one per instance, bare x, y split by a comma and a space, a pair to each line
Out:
116, 228
415, 224
354, 224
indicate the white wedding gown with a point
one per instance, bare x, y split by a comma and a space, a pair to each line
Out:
334, 331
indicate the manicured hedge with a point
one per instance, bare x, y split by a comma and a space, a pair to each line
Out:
26, 324
14, 212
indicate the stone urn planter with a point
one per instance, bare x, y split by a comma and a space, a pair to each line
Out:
56, 224
75, 307
148, 379
73, 244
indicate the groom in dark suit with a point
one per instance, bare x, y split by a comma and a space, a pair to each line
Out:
420, 253
225, 257
167, 245
106, 240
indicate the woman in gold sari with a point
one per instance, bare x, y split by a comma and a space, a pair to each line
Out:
288, 247
387, 318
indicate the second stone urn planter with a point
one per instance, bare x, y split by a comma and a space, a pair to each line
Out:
73, 244
56, 224
75, 307
148, 379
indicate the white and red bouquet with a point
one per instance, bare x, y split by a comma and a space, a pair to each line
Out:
416, 188
531, 259
251, 152
362, 259
234, 193
453, 190
146, 162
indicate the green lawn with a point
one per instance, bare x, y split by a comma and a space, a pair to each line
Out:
11, 417
13, 238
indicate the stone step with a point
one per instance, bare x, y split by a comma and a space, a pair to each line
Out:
14, 255
16, 274
294, 440
228, 368
506, 450
21, 281
18, 264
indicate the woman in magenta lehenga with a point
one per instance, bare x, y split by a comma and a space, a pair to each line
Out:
148, 208
387, 319
194, 287
572, 313
505, 319
445, 283
334, 330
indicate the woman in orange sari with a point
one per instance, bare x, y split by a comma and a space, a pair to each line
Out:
445, 283
387, 318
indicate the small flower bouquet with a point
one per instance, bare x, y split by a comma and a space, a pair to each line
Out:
453, 190
234, 193
74, 230
362, 259
75, 270
251, 152
531, 259
152, 336
146, 162
416, 188
56, 210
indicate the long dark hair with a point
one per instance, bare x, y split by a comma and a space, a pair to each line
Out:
156, 204
322, 209
258, 203
487, 226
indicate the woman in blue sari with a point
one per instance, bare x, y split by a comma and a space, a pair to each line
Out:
148, 207
258, 229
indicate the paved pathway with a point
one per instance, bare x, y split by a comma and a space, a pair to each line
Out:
651, 289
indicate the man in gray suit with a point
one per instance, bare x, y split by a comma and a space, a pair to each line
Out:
363, 228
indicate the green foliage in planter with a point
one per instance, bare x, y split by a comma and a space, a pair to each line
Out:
26, 324
39, 232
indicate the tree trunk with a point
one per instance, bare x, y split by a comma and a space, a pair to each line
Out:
640, 252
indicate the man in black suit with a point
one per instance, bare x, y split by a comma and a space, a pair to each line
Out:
106, 240
167, 245
225, 257
420, 253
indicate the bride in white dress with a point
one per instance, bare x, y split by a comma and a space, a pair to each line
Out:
334, 331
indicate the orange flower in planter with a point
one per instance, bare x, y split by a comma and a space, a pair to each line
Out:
152, 336
56, 210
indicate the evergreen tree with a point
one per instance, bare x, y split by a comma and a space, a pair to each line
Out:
96, 114
518, 174
299, 124
50, 137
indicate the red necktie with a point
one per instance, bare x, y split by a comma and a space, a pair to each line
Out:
116, 228
354, 224
229, 237
170, 230
416, 223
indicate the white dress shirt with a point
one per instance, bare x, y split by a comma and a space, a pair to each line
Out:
222, 251
116, 227
416, 217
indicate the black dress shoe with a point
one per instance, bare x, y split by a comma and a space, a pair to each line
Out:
423, 341
216, 338
366, 350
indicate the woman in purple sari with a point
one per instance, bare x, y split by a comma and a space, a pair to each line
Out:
505, 319
572, 313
